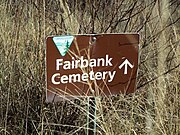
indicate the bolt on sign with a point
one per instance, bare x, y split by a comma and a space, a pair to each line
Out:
91, 65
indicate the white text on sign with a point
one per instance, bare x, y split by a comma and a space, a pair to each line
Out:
81, 63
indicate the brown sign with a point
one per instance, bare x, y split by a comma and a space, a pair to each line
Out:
91, 65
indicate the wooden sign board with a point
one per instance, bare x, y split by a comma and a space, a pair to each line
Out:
91, 65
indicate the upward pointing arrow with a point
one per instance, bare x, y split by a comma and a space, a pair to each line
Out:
126, 63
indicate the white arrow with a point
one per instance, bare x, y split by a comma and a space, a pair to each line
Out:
126, 63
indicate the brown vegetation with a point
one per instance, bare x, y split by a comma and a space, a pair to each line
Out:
153, 109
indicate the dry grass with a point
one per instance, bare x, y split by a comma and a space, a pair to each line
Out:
153, 109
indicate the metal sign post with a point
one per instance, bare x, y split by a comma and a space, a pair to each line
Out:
91, 116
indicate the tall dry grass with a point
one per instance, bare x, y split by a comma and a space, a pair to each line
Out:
153, 109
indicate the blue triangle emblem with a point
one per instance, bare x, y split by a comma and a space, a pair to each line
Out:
63, 43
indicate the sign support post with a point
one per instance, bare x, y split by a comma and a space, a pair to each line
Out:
91, 115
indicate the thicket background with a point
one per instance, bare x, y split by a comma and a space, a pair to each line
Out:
153, 109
